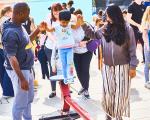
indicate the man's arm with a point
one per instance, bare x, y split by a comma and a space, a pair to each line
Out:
40, 28
15, 65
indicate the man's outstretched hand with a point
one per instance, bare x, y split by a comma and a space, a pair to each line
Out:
43, 26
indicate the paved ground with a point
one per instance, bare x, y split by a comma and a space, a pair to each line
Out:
42, 105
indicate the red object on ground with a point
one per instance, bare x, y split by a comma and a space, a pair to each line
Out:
68, 102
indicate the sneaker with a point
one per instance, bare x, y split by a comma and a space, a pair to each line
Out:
86, 94
147, 85
71, 80
71, 91
66, 81
53, 94
81, 91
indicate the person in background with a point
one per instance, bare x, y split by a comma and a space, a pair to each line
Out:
134, 16
100, 14
69, 6
29, 25
20, 59
98, 23
124, 12
52, 20
145, 26
64, 6
119, 61
82, 59
5, 81
146, 3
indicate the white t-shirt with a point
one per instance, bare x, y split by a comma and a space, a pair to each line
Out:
78, 35
64, 36
49, 43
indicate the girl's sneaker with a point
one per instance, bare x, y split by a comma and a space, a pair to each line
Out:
71, 80
66, 81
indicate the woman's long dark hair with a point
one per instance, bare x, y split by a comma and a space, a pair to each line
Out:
116, 30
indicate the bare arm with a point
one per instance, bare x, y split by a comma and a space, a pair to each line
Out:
132, 22
15, 65
145, 38
34, 34
40, 28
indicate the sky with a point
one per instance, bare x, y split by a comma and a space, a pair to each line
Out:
39, 8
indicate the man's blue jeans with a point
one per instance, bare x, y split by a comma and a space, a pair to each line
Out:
66, 57
23, 99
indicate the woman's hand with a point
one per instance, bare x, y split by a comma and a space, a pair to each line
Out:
82, 43
80, 20
132, 73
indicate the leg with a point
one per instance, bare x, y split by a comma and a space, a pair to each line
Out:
27, 111
63, 58
70, 61
21, 96
77, 63
7, 86
142, 43
146, 67
48, 53
85, 66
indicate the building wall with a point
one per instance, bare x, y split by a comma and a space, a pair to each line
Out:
102, 3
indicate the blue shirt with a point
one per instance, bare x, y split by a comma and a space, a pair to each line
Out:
15, 41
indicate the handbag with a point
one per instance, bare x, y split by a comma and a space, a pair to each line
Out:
92, 44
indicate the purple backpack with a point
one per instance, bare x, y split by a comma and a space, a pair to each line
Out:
92, 45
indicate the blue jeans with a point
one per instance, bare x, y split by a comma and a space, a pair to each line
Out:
23, 99
147, 64
66, 57
5, 81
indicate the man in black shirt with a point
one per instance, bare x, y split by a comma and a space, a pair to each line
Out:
135, 13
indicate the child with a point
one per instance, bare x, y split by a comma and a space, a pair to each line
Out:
65, 43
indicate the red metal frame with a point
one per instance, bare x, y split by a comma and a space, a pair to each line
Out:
68, 102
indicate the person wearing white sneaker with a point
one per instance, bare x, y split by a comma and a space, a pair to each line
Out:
145, 28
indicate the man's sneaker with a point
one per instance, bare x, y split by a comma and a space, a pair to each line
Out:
147, 85
81, 91
53, 94
86, 94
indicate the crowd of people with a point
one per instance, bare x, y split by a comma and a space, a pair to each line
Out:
62, 46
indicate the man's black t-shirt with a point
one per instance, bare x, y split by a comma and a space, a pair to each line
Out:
137, 12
